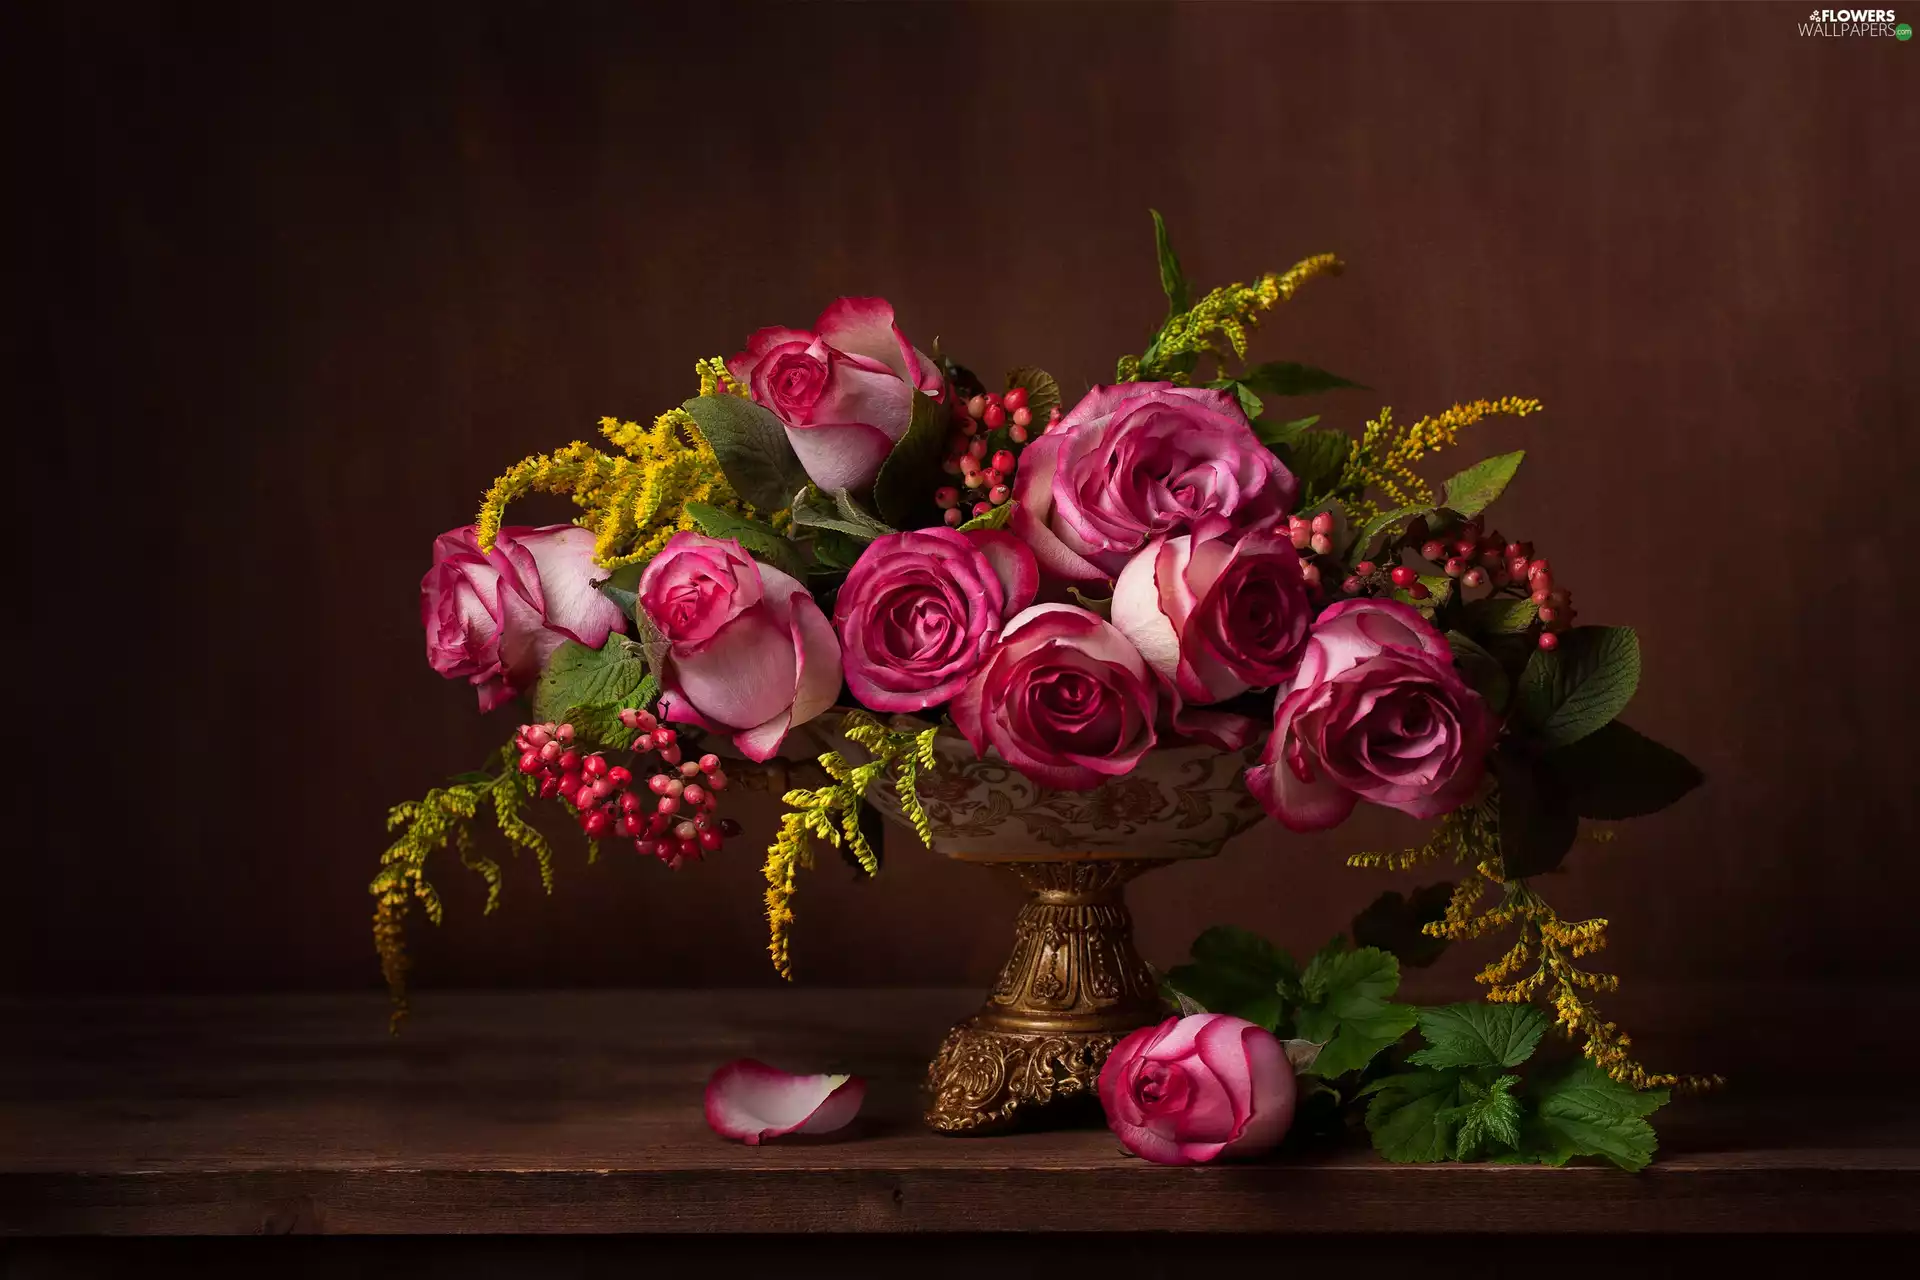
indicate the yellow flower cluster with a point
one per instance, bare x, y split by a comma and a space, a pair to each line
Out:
633, 501
1384, 455
1223, 316
1471, 836
832, 813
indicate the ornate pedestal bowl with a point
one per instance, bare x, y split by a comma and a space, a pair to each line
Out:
1074, 985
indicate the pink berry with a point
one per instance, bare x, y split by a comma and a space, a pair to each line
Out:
569, 761
977, 407
596, 824
1302, 536
619, 775
709, 762
993, 476
1433, 549
954, 519
537, 736
977, 450
1351, 586
529, 762
646, 720
685, 831
995, 417
1018, 431
1476, 577
658, 784
1015, 398
1323, 522
716, 780
627, 825
602, 786
629, 802
1365, 568
946, 497
1310, 572
710, 840
666, 737
1549, 641
1455, 566
1548, 614
981, 508
668, 804
1404, 576
999, 494
1003, 461
594, 765
585, 797
670, 754
689, 769
643, 743
550, 752
1023, 418
1322, 545
1537, 567
564, 733
694, 794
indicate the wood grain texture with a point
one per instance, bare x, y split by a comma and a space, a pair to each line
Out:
580, 1113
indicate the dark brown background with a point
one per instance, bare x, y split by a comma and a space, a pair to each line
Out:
302, 279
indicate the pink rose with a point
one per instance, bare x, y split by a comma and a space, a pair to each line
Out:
1376, 712
1195, 1088
844, 392
1136, 460
494, 620
749, 652
1064, 698
921, 610
1214, 612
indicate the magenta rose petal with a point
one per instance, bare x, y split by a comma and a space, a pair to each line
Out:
750, 1102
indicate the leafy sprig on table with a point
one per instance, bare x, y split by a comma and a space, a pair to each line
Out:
1470, 1092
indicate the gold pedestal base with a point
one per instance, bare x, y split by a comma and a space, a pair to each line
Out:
1072, 990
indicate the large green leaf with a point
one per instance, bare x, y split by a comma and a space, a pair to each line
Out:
1413, 1116
1237, 972
1473, 490
1582, 1111
752, 448
840, 511
581, 678
1618, 772
1388, 525
1274, 432
1173, 281
1285, 378
903, 491
759, 539
1316, 456
1498, 615
1346, 1008
1477, 1034
1566, 694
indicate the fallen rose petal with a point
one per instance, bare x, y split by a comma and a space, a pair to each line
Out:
750, 1101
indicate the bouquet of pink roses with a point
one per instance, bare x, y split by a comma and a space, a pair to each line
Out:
843, 522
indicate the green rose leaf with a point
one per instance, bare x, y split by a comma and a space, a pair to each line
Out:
1481, 670
995, 518
1474, 490
1394, 922
1498, 615
1271, 432
589, 686
1043, 393
1316, 457
1237, 972
1285, 378
752, 448
839, 511
1414, 1116
903, 491
1477, 1034
1537, 823
1567, 693
833, 551
1390, 524
1618, 772
1173, 281
1250, 403
1582, 1111
758, 538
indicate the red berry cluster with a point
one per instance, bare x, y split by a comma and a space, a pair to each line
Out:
1311, 537
1475, 559
984, 451
604, 801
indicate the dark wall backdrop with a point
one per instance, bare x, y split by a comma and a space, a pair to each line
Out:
302, 279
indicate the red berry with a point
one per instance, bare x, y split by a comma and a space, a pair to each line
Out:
690, 848
1537, 567
1003, 461
665, 737
946, 497
709, 762
647, 848
1455, 566
694, 794
564, 732
1323, 522
1465, 547
1549, 641
1351, 586
630, 802
569, 761
1518, 550
993, 476
669, 804
981, 508
1419, 591
976, 406
658, 784
1433, 549
529, 762
1476, 577
593, 766
657, 822
1517, 568
716, 780
995, 417
999, 494
1548, 614
537, 736
1015, 398
643, 743
670, 754
1322, 545
602, 786
596, 824
1310, 572
954, 519
628, 826
1365, 568
549, 785
585, 798
569, 783
619, 776
1404, 576
711, 840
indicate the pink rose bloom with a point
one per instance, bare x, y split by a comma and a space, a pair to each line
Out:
920, 611
1376, 712
1064, 698
494, 620
750, 654
1198, 1087
1136, 460
1214, 612
844, 392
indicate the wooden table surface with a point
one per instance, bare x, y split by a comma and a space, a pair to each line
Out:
580, 1112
